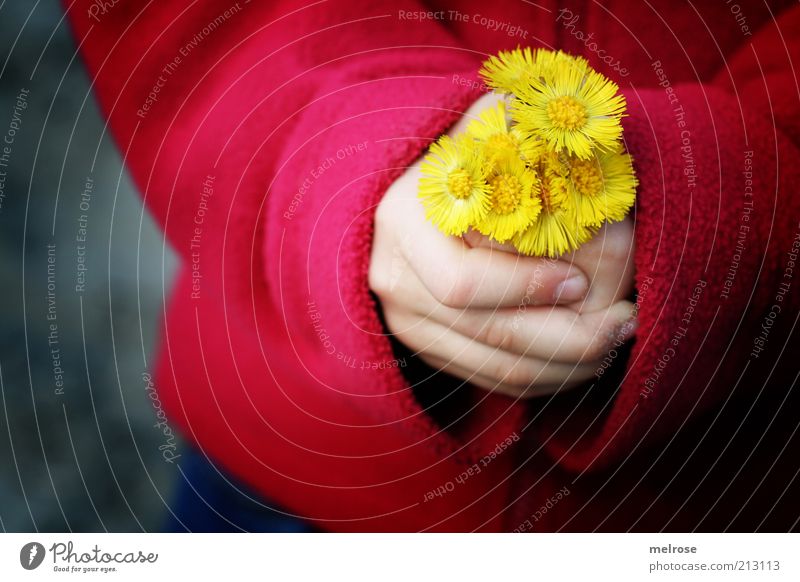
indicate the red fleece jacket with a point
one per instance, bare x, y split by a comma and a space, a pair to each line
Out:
263, 134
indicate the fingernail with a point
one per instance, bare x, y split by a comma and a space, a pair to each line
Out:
572, 289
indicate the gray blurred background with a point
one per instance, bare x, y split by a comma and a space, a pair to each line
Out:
82, 456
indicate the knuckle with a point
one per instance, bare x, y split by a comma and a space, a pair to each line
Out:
500, 332
400, 326
377, 280
383, 212
520, 376
452, 289
390, 320
496, 369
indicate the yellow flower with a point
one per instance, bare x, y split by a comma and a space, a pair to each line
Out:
503, 71
572, 110
515, 203
531, 149
453, 186
557, 229
543, 173
510, 70
604, 187
493, 132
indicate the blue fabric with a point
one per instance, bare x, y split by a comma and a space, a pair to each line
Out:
208, 500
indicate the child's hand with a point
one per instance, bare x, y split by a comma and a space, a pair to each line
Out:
607, 260
470, 309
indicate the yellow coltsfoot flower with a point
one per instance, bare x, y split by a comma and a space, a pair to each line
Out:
514, 200
557, 229
544, 172
604, 187
573, 111
453, 186
502, 72
494, 134
510, 70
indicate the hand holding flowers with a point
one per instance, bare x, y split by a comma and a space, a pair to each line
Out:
519, 325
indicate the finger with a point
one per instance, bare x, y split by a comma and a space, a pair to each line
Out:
558, 334
492, 385
460, 276
437, 341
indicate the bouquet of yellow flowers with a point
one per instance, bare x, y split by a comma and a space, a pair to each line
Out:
545, 168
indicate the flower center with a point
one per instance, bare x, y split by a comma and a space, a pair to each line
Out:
566, 112
506, 193
459, 183
547, 204
552, 193
587, 177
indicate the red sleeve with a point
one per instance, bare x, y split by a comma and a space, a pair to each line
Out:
717, 237
262, 135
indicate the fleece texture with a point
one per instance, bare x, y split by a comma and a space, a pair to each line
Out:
262, 135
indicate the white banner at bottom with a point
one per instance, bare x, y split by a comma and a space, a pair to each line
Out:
400, 557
